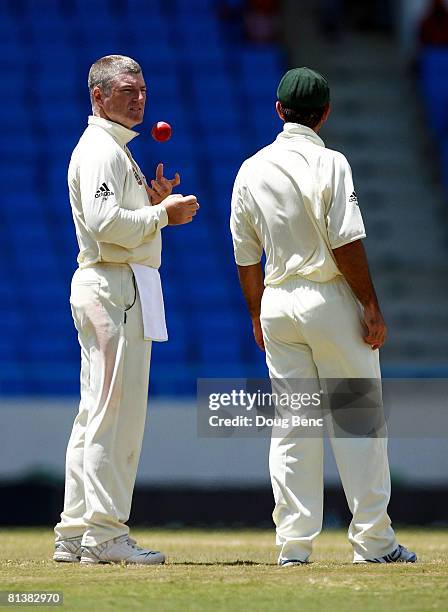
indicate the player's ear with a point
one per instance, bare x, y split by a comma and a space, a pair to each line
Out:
97, 96
327, 113
278, 108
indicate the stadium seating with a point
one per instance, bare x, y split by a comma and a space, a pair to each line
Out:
219, 95
434, 86
433, 68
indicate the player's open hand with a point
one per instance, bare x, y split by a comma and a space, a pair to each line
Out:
181, 209
161, 187
376, 330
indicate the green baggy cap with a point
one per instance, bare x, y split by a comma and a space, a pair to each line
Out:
303, 88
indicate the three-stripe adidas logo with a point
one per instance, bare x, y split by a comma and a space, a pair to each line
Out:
104, 191
353, 199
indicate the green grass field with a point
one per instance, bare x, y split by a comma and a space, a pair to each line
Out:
232, 570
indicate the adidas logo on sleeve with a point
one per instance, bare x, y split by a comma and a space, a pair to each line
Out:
103, 192
353, 199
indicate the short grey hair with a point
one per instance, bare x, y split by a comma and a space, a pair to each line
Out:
105, 70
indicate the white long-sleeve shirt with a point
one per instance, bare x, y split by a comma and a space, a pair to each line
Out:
114, 220
295, 200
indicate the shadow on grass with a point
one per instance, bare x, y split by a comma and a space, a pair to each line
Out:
221, 563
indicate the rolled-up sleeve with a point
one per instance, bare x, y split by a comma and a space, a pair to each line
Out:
344, 219
102, 178
247, 246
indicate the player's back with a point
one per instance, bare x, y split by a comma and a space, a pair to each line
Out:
294, 195
284, 195
288, 187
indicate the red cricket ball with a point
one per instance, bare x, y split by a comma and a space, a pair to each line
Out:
161, 131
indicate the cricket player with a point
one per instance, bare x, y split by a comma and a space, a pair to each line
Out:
315, 313
117, 307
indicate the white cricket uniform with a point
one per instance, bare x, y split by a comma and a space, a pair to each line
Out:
295, 200
116, 227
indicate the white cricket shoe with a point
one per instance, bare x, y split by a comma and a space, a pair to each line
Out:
68, 551
123, 548
282, 562
399, 555
291, 562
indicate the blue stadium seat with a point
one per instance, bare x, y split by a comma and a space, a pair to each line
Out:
18, 114
37, 261
14, 53
220, 116
264, 60
66, 115
34, 12
61, 319
46, 292
40, 377
161, 84
222, 145
13, 319
151, 27
141, 10
20, 143
184, 8
55, 60
17, 179
227, 349
44, 346
433, 68
92, 11
202, 33
6, 16
165, 108
212, 58
99, 47
215, 92
17, 78
6, 348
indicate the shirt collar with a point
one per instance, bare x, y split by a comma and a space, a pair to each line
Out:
120, 133
296, 130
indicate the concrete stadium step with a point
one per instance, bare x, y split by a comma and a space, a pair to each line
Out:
411, 355
365, 125
374, 93
413, 283
409, 233
385, 256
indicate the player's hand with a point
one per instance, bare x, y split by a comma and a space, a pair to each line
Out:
161, 187
258, 333
181, 209
376, 330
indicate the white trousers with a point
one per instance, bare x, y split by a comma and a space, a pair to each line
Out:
314, 330
104, 447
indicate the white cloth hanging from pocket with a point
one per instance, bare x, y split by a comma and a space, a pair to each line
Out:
151, 299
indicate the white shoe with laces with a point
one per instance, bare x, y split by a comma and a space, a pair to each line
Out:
120, 549
291, 562
399, 555
68, 551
